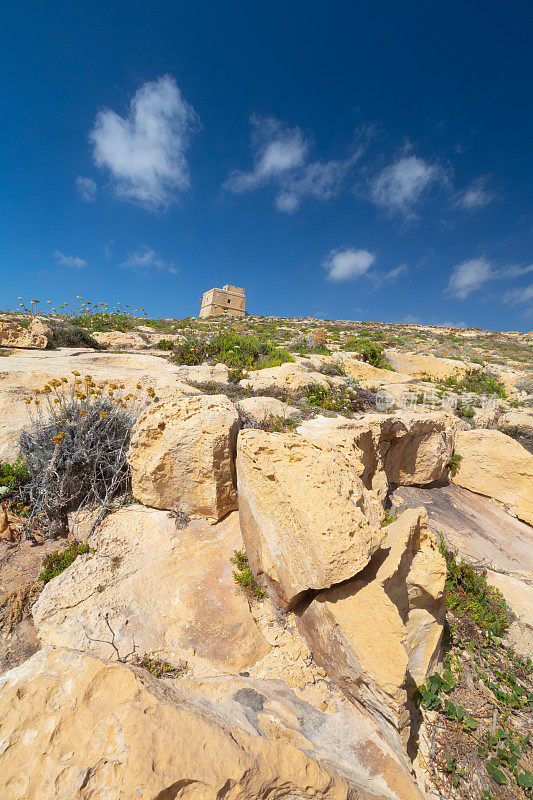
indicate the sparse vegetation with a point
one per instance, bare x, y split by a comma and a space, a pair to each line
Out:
244, 576
454, 463
13, 477
238, 351
56, 563
342, 399
481, 697
75, 449
482, 383
158, 667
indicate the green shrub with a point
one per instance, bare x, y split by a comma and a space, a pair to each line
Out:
343, 399
468, 594
103, 321
372, 353
276, 424
55, 563
67, 335
244, 576
478, 383
233, 349
165, 344
13, 477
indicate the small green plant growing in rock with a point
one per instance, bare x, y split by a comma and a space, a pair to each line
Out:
158, 667
468, 593
390, 516
13, 477
454, 463
55, 563
276, 424
244, 576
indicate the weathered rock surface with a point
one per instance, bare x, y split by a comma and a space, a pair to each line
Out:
205, 373
518, 425
474, 525
307, 519
76, 727
360, 369
166, 590
421, 365
495, 465
35, 336
378, 635
260, 408
122, 340
404, 448
181, 454
26, 371
290, 378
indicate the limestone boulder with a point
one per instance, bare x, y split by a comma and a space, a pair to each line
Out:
33, 337
422, 365
122, 340
159, 588
405, 448
205, 373
260, 408
307, 519
74, 727
378, 634
290, 378
497, 466
182, 454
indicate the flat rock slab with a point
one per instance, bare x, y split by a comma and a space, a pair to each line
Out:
167, 591
475, 525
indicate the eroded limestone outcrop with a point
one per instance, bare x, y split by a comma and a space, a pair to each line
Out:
378, 635
33, 337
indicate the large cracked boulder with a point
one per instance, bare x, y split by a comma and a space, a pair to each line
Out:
409, 449
160, 589
75, 727
33, 337
182, 454
378, 635
307, 520
495, 465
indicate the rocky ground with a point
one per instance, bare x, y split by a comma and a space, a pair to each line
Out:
278, 607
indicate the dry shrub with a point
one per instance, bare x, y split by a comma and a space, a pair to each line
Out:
75, 449
17, 604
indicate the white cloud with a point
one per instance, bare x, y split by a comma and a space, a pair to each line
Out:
522, 295
469, 276
145, 260
381, 278
475, 197
145, 152
399, 187
348, 264
472, 275
69, 261
86, 188
281, 160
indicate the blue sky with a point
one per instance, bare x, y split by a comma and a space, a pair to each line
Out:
348, 160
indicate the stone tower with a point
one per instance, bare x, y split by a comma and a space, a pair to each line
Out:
228, 301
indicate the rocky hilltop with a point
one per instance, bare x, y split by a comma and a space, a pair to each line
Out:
267, 558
